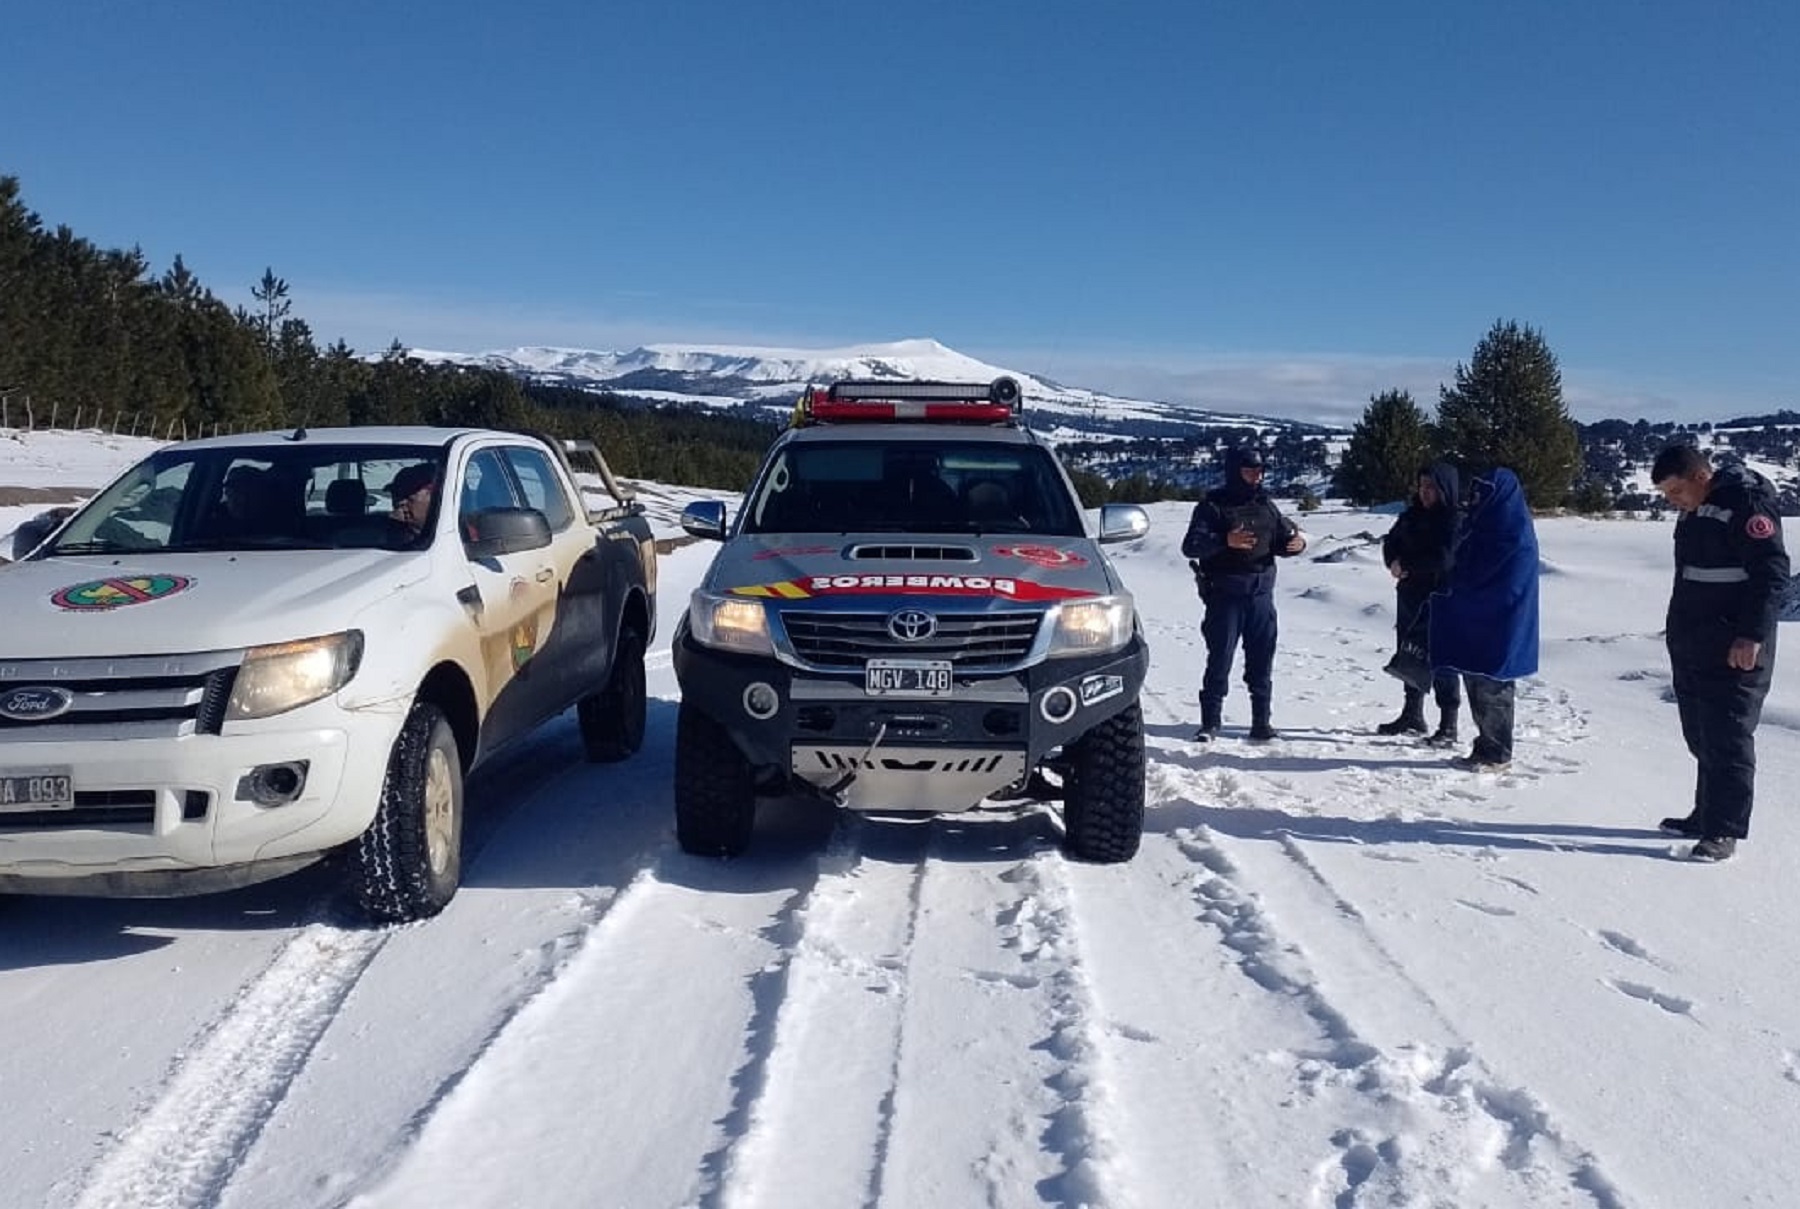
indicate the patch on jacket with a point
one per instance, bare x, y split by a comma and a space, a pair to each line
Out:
1760, 527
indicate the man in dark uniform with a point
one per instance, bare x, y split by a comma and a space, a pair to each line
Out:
1417, 551
1730, 570
1233, 538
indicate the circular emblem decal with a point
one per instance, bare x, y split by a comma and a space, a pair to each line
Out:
1759, 526
1048, 557
99, 595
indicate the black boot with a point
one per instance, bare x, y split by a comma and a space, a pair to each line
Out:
1209, 725
1412, 717
1445, 734
1260, 730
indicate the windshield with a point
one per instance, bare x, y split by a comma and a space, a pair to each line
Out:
912, 487
295, 496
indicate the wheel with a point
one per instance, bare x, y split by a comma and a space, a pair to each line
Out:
1103, 802
612, 720
408, 864
715, 793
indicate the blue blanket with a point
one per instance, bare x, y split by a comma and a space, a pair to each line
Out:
1485, 620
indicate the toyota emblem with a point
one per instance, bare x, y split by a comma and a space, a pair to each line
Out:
33, 703
912, 625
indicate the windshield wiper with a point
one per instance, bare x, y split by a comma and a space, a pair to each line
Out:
95, 547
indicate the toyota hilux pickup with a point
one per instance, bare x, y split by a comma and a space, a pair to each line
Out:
908, 615
249, 653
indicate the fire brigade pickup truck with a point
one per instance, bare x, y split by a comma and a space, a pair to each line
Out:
908, 615
249, 653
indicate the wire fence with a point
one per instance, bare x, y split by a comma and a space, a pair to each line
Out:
19, 414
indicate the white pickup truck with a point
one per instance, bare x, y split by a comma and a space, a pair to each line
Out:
249, 653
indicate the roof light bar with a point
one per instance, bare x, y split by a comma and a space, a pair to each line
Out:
996, 402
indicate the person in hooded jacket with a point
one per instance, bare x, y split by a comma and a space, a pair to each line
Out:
1484, 623
1730, 571
1417, 551
1233, 538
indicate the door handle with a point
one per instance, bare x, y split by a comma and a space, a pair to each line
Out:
546, 575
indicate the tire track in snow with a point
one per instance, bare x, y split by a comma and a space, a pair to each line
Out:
182, 1149
715, 935
875, 1032
1440, 1120
834, 1052
980, 1119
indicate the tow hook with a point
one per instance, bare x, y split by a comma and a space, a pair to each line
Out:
835, 790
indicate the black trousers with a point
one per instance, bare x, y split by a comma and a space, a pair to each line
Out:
1720, 708
1412, 625
1491, 704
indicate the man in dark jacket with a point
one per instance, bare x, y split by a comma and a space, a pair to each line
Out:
1417, 553
1730, 570
1233, 538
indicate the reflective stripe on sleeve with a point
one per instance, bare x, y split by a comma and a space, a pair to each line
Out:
1715, 575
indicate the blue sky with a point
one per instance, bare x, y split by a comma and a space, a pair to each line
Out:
1279, 206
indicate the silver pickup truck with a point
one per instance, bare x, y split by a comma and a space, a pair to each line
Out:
250, 653
908, 615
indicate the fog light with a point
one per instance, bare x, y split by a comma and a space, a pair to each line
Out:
273, 784
761, 701
1058, 704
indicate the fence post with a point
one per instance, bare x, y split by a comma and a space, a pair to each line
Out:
134, 420
53, 408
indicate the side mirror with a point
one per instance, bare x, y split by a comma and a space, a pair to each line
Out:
1123, 522
496, 531
704, 519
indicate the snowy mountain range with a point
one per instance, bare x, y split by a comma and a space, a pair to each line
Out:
771, 378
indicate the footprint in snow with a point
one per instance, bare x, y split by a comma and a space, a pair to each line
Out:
1621, 943
1485, 908
1672, 1004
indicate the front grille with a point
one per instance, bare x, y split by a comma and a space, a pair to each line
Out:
101, 808
970, 641
134, 697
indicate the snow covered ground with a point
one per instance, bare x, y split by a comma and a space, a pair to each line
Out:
1340, 973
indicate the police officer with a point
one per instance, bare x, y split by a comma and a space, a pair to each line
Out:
1233, 538
1730, 570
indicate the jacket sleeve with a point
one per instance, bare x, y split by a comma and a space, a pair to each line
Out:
1205, 532
1757, 542
1285, 532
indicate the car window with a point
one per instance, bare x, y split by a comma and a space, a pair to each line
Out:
485, 484
542, 486
298, 496
912, 487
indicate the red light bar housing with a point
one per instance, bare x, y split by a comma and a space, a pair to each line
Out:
865, 400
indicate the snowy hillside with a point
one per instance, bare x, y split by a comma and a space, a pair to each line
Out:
717, 376
1339, 975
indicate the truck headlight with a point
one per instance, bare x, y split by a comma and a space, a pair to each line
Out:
1092, 627
730, 623
274, 679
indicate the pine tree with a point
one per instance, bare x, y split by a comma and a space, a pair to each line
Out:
1387, 447
272, 293
1507, 410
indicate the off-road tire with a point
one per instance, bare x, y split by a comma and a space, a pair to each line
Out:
715, 792
612, 720
408, 864
1103, 802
